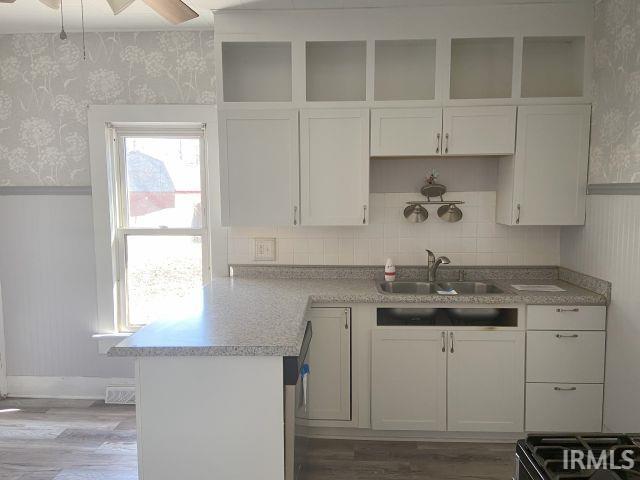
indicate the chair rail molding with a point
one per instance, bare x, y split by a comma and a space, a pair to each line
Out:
614, 189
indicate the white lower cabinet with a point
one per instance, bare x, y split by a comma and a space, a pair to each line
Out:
408, 379
565, 356
329, 360
565, 368
564, 407
447, 380
486, 381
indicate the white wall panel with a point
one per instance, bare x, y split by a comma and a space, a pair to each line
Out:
47, 271
608, 246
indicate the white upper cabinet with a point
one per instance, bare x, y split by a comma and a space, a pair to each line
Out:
259, 167
397, 132
408, 379
479, 130
406, 131
486, 381
334, 166
545, 182
329, 360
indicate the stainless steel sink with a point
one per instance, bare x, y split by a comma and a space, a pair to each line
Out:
477, 288
415, 288
424, 288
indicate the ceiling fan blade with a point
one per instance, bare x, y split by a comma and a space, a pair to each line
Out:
119, 5
55, 4
7, 1
175, 11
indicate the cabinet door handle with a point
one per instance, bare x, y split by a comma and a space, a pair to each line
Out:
444, 342
364, 214
564, 389
446, 143
566, 310
518, 209
346, 319
452, 342
295, 215
438, 142
559, 335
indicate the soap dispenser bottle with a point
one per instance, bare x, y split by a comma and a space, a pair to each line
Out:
389, 271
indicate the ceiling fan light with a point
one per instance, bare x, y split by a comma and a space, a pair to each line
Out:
55, 4
118, 5
174, 11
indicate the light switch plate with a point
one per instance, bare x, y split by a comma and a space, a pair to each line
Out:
264, 249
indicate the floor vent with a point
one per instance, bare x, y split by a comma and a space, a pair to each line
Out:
120, 395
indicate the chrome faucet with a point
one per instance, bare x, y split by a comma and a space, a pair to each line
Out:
433, 263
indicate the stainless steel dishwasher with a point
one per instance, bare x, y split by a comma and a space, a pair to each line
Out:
295, 398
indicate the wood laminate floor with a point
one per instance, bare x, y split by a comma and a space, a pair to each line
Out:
87, 440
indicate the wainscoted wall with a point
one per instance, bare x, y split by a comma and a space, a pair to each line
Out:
47, 261
608, 247
47, 271
476, 240
46, 85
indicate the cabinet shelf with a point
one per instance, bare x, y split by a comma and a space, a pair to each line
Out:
256, 71
336, 71
552, 67
481, 68
405, 70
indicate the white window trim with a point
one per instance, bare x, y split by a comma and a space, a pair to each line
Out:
104, 216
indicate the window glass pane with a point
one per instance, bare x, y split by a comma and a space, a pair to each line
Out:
161, 272
163, 182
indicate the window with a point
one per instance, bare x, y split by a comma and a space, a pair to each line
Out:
160, 233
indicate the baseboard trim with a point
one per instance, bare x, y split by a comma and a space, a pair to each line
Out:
90, 388
390, 435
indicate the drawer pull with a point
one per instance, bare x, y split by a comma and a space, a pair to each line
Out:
565, 310
559, 335
564, 389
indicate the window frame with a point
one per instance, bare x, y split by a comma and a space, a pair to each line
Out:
119, 133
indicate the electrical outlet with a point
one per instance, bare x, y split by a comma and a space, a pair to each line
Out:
264, 249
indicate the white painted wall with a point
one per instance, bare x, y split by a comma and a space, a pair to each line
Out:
608, 247
47, 271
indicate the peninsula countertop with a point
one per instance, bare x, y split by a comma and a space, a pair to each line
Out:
265, 317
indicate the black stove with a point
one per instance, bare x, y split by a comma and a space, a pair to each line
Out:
596, 456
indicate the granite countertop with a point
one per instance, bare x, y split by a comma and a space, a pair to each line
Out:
265, 317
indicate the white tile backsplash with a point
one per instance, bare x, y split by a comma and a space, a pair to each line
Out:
476, 240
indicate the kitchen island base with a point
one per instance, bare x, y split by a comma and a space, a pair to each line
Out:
206, 417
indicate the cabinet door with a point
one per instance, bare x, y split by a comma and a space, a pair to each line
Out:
560, 407
551, 162
334, 167
406, 132
408, 380
486, 381
259, 163
479, 130
329, 359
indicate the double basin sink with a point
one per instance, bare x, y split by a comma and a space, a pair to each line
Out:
425, 288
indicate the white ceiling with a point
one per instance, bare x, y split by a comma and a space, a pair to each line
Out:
33, 16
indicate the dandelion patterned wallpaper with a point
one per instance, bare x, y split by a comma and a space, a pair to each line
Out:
615, 137
45, 86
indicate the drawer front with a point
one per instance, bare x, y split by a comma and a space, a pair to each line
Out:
563, 407
565, 356
566, 317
